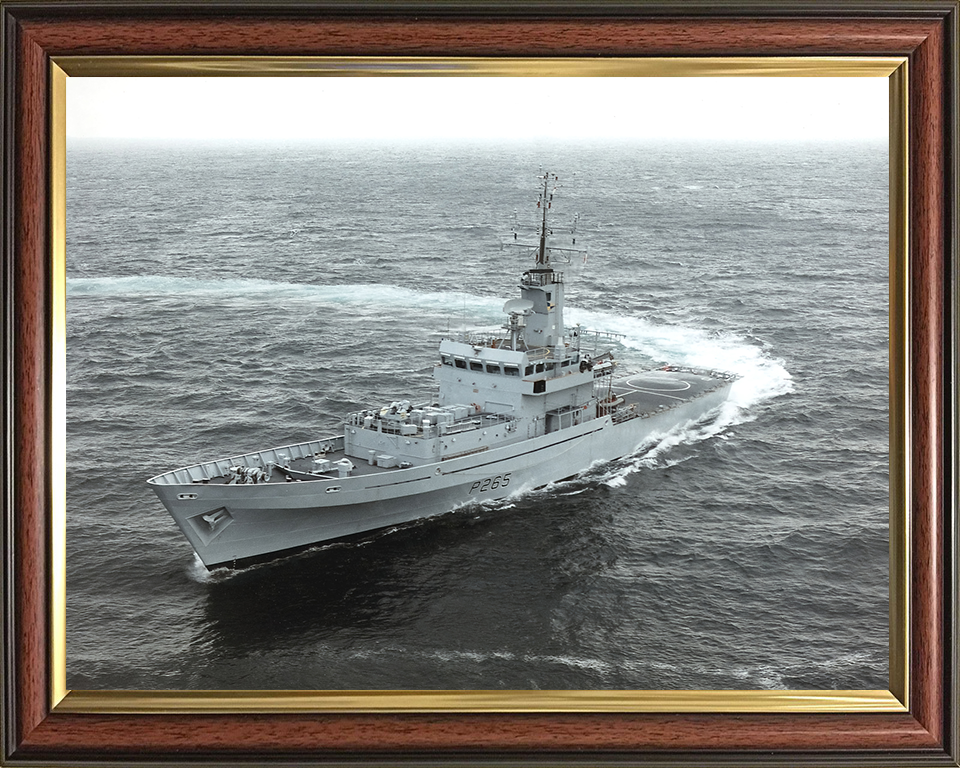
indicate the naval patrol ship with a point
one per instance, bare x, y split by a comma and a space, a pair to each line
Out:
514, 411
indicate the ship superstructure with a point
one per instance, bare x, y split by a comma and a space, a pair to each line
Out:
513, 410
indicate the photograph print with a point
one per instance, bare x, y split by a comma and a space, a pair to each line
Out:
477, 383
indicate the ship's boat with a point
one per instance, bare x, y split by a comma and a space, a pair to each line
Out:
513, 411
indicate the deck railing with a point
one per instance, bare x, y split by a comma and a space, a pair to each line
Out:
209, 470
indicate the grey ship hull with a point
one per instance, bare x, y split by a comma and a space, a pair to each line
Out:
229, 525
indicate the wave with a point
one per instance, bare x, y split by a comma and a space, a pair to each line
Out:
649, 455
761, 377
375, 295
486, 656
660, 343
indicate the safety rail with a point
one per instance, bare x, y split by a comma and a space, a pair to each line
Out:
545, 277
210, 470
498, 342
619, 415
475, 421
725, 375
540, 353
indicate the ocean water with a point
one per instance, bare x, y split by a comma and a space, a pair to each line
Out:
226, 298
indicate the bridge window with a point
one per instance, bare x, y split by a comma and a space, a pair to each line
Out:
539, 367
476, 365
460, 362
529, 371
493, 368
446, 359
511, 370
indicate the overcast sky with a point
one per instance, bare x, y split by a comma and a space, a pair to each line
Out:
455, 108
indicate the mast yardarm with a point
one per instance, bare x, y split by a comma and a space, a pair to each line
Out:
542, 249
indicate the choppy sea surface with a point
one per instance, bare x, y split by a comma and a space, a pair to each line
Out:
226, 298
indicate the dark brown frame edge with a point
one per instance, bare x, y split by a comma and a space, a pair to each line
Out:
926, 32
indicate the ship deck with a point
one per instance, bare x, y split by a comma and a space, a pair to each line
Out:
306, 465
643, 394
653, 391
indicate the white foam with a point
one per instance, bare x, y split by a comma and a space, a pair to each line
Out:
482, 657
362, 294
197, 571
650, 455
762, 377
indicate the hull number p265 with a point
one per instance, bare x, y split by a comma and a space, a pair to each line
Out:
491, 483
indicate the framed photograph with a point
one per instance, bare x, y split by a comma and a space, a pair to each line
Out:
230, 274
122, 645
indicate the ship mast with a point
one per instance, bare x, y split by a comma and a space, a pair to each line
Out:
542, 258
541, 250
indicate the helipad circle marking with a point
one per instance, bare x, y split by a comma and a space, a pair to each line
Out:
654, 384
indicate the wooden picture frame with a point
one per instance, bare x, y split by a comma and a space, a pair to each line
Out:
38, 729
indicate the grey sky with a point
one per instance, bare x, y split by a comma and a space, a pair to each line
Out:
400, 108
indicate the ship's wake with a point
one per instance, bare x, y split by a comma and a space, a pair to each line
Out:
643, 344
651, 343
355, 297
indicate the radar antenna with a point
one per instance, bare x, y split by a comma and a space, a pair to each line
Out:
543, 250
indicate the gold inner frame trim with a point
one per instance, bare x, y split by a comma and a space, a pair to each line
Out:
58, 378
899, 394
776, 701
411, 66
235, 702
